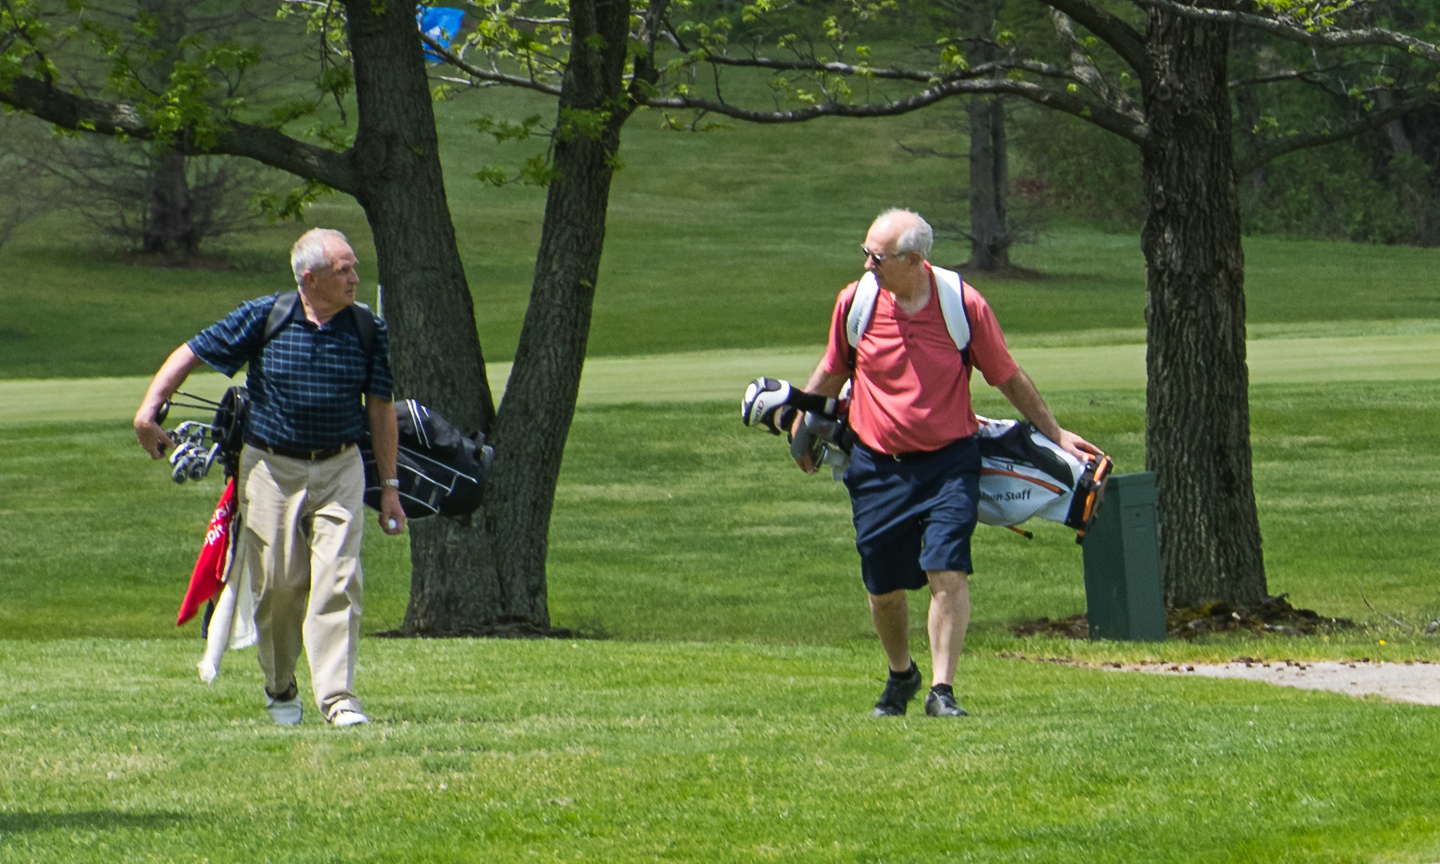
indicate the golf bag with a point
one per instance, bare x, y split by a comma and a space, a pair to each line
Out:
1023, 474
440, 470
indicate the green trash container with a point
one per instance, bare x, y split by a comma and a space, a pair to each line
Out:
1123, 596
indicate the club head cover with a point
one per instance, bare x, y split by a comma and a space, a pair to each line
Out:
763, 398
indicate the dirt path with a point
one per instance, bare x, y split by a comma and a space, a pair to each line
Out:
1411, 681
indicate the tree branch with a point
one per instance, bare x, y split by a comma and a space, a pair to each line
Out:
1114, 31
1100, 115
931, 151
1082, 68
923, 76
269, 146
1309, 76
1296, 33
453, 59
1375, 119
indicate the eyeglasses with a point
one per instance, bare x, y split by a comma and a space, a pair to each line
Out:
879, 259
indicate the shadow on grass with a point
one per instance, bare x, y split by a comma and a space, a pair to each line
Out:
89, 820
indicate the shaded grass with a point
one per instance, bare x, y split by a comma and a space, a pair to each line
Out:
674, 522
734, 239
522, 751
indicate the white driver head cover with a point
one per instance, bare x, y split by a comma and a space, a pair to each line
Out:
763, 398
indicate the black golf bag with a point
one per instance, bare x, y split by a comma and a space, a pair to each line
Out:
440, 470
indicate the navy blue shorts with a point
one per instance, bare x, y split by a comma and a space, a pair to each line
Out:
913, 516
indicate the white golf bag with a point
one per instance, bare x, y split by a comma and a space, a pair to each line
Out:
1023, 474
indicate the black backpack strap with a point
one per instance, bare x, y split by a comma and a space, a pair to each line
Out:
280, 315
365, 327
284, 310
366, 331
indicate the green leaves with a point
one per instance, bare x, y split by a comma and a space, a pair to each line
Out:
291, 205
504, 130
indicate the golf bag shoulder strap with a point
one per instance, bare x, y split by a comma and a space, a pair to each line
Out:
951, 289
284, 310
280, 315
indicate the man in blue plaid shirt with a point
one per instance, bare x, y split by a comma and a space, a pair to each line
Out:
314, 390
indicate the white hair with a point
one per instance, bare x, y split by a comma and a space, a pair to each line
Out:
919, 237
309, 252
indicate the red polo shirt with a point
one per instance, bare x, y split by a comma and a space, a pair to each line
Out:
913, 391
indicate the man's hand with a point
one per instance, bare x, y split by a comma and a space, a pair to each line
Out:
1076, 446
153, 437
821, 383
806, 463
177, 367
392, 515
1021, 392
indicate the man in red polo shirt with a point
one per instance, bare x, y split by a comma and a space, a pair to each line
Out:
914, 474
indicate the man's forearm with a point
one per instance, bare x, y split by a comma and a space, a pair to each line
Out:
172, 374
1021, 392
823, 383
385, 439
384, 435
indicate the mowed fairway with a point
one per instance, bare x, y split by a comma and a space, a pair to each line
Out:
706, 375
614, 751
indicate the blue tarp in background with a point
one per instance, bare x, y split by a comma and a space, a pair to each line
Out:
440, 24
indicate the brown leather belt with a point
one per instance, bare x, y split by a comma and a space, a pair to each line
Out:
291, 453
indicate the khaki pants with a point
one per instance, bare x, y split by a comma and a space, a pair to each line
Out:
302, 524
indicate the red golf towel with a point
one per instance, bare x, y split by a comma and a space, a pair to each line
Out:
209, 575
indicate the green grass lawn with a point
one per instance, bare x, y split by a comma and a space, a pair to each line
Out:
96, 541
621, 751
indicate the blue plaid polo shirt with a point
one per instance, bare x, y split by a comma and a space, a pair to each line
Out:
305, 391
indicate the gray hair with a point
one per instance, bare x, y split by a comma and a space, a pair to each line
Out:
309, 252
919, 237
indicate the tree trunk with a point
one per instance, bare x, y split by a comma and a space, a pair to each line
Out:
167, 221
434, 349
1197, 411
989, 153
534, 419
989, 180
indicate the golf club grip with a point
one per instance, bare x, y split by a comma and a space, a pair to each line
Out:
811, 403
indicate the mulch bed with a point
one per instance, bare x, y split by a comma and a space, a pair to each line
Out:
1274, 615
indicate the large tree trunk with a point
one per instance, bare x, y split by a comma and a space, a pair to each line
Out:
989, 179
168, 220
989, 152
534, 419
167, 217
435, 350
1197, 411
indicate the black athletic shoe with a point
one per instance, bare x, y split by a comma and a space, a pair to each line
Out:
941, 703
899, 690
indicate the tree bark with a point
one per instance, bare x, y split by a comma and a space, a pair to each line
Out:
1197, 410
168, 218
989, 182
434, 349
534, 419
989, 150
